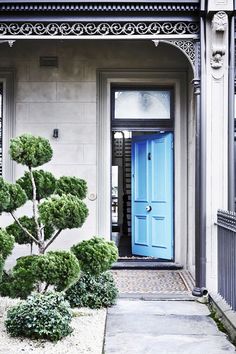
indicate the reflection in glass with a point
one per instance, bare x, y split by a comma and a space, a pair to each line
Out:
142, 104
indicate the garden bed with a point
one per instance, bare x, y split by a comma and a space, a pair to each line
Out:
87, 337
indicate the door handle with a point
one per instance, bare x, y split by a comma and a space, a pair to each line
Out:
148, 208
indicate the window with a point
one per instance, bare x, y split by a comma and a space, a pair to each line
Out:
142, 104
146, 106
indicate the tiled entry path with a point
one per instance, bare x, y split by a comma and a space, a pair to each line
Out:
163, 327
133, 281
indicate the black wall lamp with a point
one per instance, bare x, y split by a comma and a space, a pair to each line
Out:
55, 133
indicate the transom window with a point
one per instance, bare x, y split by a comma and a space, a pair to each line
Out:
149, 106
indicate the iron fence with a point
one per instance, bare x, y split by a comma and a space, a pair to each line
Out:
226, 222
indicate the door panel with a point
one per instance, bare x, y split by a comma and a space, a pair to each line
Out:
140, 170
152, 195
141, 227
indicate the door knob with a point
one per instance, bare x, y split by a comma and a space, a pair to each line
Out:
148, 208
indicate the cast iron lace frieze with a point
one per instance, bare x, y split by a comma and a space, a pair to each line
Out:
102, 29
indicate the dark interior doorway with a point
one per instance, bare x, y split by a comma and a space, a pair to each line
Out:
121, 191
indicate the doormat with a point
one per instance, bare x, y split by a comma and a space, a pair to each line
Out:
130, 281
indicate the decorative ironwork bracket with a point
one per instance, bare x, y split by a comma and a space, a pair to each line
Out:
190, 48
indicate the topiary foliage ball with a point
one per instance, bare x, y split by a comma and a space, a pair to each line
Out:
95, 255
4, 195
93, 291
6, 244
21, 236
29, 150
45, 184
17, 197
41, 316
23, 280
64, 212
58, 268
72, 185
6, 247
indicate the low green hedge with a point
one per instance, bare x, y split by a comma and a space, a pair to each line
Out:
41, 316
94, 291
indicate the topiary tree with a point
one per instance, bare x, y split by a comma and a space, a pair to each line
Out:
63, 207
56, 205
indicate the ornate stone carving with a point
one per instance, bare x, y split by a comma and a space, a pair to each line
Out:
219, 22
217, 60
99, 29
219, 28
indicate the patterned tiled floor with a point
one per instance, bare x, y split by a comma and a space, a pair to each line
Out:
151, 281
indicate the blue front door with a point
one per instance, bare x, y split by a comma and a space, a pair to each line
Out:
152, 195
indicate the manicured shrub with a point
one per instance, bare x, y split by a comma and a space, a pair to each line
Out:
6, 243
58, 268
23, 280
21, 237
6, 284
17, 197
6, 247
4, 195
95, 255
41, 316
72, 185
64, 212
29, 150
45, 184
93, 291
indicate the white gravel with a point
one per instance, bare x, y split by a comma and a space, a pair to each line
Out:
87, 337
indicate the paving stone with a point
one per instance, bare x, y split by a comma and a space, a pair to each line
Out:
123, 343
161, 324
163, 327
160, 308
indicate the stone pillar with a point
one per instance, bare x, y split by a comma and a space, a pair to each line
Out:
216, 125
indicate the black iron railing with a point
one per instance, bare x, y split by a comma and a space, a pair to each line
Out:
226, 222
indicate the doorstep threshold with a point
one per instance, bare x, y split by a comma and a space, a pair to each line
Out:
146, 264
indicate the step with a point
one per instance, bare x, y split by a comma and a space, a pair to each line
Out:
146, 264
